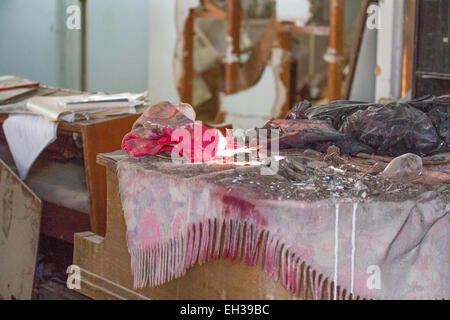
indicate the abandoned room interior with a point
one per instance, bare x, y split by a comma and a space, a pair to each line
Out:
224, 150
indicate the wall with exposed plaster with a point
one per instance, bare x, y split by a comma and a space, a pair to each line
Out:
166, 42
296, 11
254, 106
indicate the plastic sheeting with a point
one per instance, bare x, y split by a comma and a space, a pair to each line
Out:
420, 126
314, 134
394, 130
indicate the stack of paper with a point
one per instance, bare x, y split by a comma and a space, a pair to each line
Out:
27, 136
71, 108
11, 87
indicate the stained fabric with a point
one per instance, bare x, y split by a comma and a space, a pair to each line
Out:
158, 131
372, 250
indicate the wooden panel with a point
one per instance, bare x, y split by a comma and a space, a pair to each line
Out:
284, 42
432, 48
336, 49
233, 34
408, 47
186, 84
106, 272
314, 30
431, 85
251, 71
101, 137
434, 27
210, 11
62, 223
20, 215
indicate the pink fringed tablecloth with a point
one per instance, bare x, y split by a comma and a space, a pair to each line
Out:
176, 216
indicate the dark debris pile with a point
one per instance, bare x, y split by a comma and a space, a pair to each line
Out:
419, 126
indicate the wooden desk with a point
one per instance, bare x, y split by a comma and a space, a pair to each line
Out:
106, 272
98, 136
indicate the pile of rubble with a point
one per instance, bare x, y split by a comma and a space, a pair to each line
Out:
359, 150
310, 176
420, 127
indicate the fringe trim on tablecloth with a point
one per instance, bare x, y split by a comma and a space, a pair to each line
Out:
201, 242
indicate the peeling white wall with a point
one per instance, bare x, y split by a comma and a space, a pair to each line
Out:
35, 43
296, 11
166, 25
254, 106
251, 107
182, 10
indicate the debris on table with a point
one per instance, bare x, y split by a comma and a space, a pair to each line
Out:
158, 130
406, 168
321, 156
306, 175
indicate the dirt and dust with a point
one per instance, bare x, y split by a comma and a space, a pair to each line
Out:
303, 175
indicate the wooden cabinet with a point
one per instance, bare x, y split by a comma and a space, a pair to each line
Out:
97, 136
432, 48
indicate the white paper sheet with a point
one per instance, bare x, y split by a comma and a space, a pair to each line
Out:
55, 107
27, 137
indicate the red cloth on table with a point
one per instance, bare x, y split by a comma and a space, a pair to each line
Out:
157, 131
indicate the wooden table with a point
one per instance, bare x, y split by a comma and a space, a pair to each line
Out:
98, 136
106, 273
